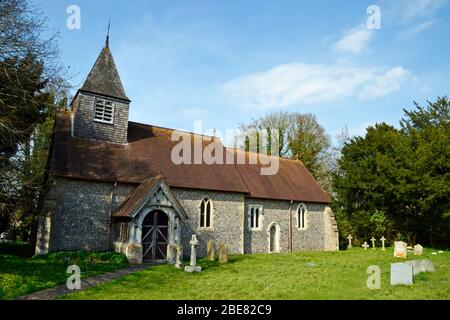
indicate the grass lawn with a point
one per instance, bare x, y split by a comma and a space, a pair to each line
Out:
307, 275
20, 275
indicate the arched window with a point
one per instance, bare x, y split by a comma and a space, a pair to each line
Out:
301, 216
206, 209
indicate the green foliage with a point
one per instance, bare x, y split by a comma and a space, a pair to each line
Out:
16, 248
31, 87
403, 174
304, 275
20, 276
82, 257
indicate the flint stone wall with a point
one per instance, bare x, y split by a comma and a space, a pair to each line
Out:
80, 212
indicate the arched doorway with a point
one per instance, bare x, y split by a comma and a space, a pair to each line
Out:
155, 235
274, 238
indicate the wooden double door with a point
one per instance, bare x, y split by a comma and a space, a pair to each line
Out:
155, 237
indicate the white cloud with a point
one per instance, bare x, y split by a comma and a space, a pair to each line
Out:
384, 83
405, 11
411, 33
414, 8
299, 83
355, 40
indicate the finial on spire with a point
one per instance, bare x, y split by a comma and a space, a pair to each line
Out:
107, 35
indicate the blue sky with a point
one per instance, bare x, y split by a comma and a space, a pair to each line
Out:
224, 62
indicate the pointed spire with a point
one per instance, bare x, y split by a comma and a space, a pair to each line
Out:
107, 35
104, 78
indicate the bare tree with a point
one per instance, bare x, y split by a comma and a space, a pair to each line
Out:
301, 137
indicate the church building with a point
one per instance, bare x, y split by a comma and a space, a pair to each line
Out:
113, 186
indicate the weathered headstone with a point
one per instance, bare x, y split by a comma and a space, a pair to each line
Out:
418, 250
400, 249
401, 274
210, 251
171, 253
417, 265
428, 266
383, 239
373, 242
349, 246
193, 264
223, 253
365, 245
133, 251
179, 259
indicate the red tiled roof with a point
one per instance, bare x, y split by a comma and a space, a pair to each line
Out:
148, 154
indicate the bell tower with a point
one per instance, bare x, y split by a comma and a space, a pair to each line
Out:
101, 106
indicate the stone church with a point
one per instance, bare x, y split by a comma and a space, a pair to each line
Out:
114, 186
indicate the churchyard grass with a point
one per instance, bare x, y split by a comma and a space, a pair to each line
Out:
306, 275
20, 275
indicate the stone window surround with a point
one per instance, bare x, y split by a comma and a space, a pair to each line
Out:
305, 216
211, 221
113, 110
260, 216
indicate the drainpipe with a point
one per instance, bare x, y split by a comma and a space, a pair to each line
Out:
111, 196
290, 226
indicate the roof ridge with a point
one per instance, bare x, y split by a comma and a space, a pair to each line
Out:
172, 129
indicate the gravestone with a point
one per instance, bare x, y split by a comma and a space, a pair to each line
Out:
210, 251
418, 250
171, 253
428, 266
365, 245
179, 259
133, 251
193, 264
223, 253
383, 239
400, 249
417, 265
401, 274
349, 246
373, 242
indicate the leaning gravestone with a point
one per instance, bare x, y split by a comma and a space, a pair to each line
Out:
428, 266
210, 251
400, 249
401, 274
171, 253
223, 253
417, 266
418, 250
179, 258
